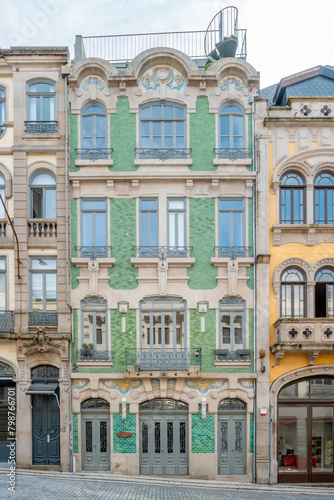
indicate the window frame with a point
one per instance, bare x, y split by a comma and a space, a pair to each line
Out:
41, 96
232, 305
317, 189
293, 189
231, 232
85, 210
293, 284
328, 284
90, 305
3, 272
176, 211
44, 273
162, 120
141, 211
94, 137
231, 136
45, 187
3, 109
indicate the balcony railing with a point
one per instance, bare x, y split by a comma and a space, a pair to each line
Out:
162, 252
163, 153
7, 320
33, 127
310, 336
94, 154
39, 228
43, 319
232, 252
2, 129
3, 228
240, 355
233, 153
167, 359
93, 252
94, 355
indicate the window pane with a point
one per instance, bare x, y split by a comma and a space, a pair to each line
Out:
295, 391
144, 229
322, 439
179, 113
43, 264
2, 291
50, 204
153, 230
43, 180
51, 292
41, 87
292, 451
48, 109
238, 343
100, 126
322, 388
156, 112
226, 329
93, 204
230, 204
87, 229
100, 143
88, 328
168, 112
225, 229
168, 128
2, 264
172, 229
145, 113
157, 142
37, 292
100, 229
88, 126
149, 204
145, 128
237, 229
37, 203
168, 142
101, 332
237, 125
179, 128
34, 108
330, 301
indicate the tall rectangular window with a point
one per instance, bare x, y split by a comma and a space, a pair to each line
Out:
231, 226
3, 284
43, 291
232, 324
176, 222
148, 222
94, 227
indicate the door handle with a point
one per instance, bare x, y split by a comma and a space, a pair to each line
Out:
162, 449
48, 438
232, 449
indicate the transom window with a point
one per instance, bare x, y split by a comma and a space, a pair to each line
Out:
323, 198
293, 304
324, 293
162, 126
43, 196
163, 322
292, 202
41, 101
94, 318
232, 312
94, 127
232, 126
231, 226
2, 109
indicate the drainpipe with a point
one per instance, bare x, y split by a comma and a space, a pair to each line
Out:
251, 101
270, 442
65, 73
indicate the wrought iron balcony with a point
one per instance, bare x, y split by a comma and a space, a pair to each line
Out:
167, 359
233, 153
225, 355
94, 154
2, 129
162, 252
43, 319
7, 321
44, 127
311, 336
93, 252
40, 228
163, 153
94, 355
232, 252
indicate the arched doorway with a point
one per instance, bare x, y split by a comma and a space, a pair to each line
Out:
95, 434
232, 441
7, 407
163, 437
305, 431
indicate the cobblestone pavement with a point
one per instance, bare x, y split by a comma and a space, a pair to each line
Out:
31, 485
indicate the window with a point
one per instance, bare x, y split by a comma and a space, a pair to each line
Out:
148, 223
3, 195
94, 316
162, 126
43, 197
94, 227
293, 285
176, 222
231, 226
41, 108
2, 109
323, 198
232, 324
324, 293
94, 127
3, 284
43, 291
163, 322
232, 129
292, 192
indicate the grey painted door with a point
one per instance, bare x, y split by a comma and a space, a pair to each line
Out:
163, 443
231, 444
45, 430
95, 432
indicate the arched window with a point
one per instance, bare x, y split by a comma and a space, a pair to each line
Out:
162, 130
2, 109
323, 198
41, 108
293, 285
324, 293
94, 128
3, 195
43, 196
232, 130
292, 191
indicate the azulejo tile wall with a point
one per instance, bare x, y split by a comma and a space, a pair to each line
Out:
202, 433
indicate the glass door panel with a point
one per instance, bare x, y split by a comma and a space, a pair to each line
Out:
292, 439
322, 439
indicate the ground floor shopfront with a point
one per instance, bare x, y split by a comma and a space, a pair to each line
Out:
303, 426
198, 428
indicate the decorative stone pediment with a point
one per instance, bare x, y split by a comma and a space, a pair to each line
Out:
162, 75
41, 342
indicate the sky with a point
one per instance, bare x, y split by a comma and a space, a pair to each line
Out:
283, 36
